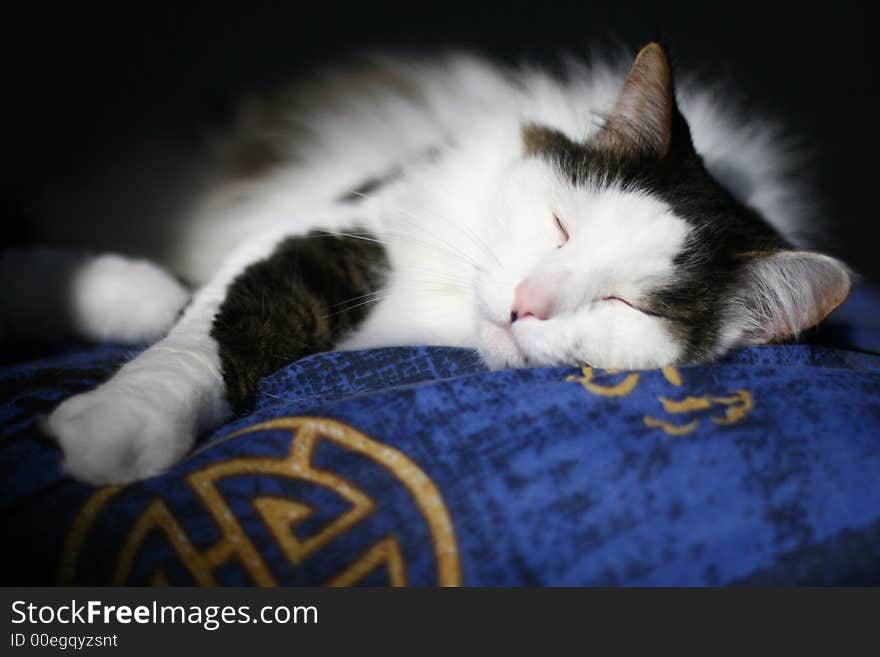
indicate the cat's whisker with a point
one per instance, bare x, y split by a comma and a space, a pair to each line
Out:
453, 248
440, 276
386, 293
368, 237
356, 305
357, 298
449, 250
475, 241
419, 224
465, 231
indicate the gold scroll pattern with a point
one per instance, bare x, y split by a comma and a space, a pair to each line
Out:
280, 514
687, 413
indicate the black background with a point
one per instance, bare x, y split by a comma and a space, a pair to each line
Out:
84, 86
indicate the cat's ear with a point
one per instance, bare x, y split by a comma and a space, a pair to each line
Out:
783, 293
641, 123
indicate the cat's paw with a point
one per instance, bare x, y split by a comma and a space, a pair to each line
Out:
119, 299
111, 436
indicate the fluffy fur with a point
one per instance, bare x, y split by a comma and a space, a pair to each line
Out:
598, 216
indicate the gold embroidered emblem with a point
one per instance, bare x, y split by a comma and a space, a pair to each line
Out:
280, 514
733, 408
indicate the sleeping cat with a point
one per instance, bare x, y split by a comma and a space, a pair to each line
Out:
606, 218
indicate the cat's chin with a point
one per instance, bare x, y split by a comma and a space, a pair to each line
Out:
499, 349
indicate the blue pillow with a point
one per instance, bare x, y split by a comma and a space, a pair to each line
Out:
417, 466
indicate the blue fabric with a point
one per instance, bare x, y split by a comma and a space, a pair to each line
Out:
417, 466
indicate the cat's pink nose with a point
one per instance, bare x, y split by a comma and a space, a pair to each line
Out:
533, 298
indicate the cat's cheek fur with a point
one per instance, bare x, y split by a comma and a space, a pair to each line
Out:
607, 337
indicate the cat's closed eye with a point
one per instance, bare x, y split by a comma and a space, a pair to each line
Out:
563, 231
644, 311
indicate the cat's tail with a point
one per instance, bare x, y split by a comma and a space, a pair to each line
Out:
50, 294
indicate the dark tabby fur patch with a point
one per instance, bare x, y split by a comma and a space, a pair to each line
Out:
297, 302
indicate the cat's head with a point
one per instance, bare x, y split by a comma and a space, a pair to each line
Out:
624, 252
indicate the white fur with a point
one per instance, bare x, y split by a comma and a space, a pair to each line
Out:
462, 231
620, 244
118, 299
108, 298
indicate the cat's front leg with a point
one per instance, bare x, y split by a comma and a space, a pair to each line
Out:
278, 299
145, 418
